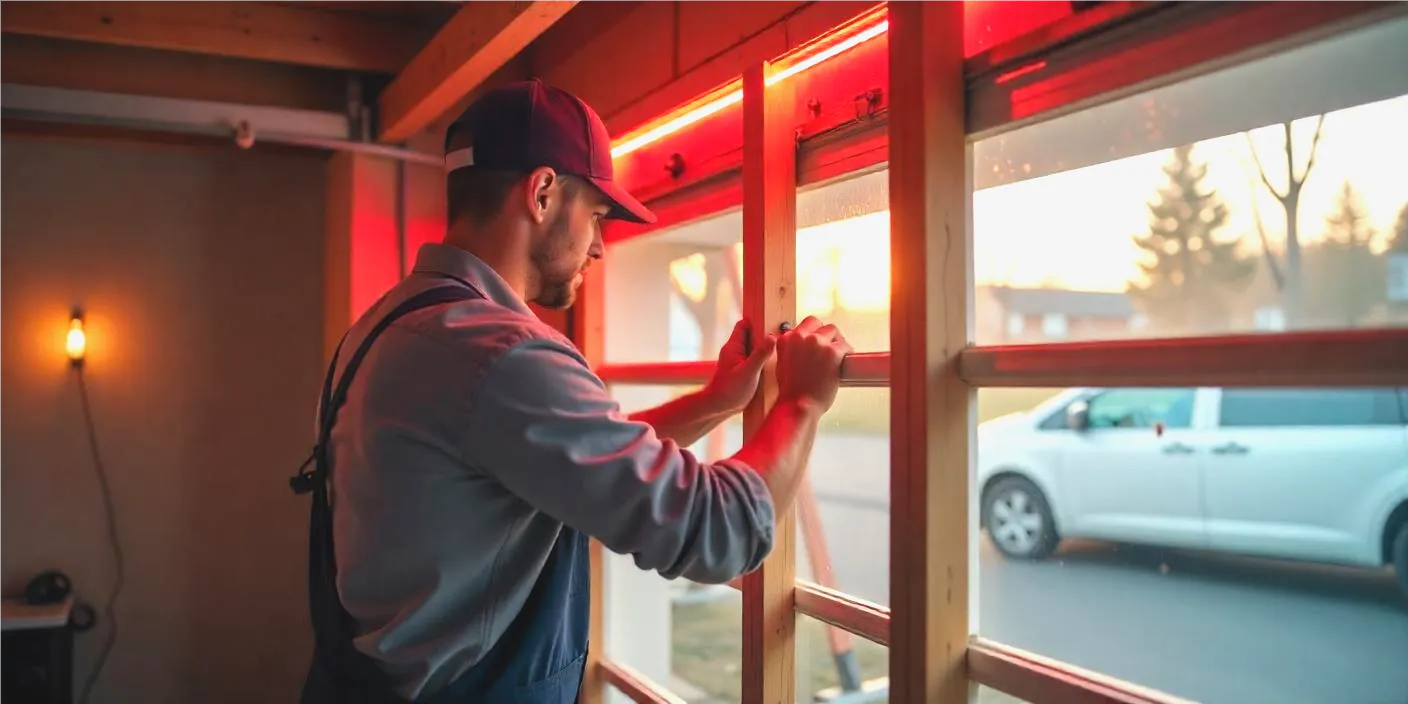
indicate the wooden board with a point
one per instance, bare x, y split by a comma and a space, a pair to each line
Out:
479, 40
931, 431
769, 298
247, 30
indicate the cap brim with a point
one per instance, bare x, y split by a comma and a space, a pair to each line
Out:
624, 205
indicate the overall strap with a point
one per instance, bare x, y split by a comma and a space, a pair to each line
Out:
331, 399
339, 673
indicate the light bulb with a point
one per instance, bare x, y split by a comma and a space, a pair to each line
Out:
77, 342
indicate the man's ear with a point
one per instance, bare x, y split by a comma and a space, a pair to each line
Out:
542, 188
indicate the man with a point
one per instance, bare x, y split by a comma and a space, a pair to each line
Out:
457, 481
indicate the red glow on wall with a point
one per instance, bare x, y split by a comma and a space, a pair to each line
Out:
986, 24
989, 23
689, 116
829, 46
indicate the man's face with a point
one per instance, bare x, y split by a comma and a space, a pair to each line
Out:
568, 241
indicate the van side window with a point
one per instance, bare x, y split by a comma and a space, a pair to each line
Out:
1250, 408
1142, 408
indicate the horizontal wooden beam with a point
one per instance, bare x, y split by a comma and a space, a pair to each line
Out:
1035, 679
658, 373
637, 686
867, 620
476, 42
1376, 357
60, 63
247, 30
865, 369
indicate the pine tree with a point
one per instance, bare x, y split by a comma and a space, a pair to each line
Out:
1349, 223
1396, 264
1398, 242
1189, 272
1345, 280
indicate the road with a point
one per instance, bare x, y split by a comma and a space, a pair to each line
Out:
1210, 628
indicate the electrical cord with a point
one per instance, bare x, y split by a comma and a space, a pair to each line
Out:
120, 577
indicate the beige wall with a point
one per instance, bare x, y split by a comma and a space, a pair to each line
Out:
201, 270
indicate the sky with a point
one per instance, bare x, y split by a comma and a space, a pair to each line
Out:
1074, 229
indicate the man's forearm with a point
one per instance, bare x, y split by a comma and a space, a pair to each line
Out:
780, 448
687, 418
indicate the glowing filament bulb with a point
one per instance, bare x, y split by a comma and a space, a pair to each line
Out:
77, 342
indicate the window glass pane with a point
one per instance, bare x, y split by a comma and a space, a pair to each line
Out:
1172, 212
834, 665
1139, 408
674, 295
843, 509
1177, 556
988, 695
682, 635
1249, 408
843, 258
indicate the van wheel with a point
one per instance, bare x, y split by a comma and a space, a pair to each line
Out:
1400, 558
1019, 520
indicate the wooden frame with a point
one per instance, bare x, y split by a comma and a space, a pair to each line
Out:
586, 327
1373, 357
867, 620
1360, 357
935, 373
866, 369
930, 407
769, 299
635, 685
1037, 679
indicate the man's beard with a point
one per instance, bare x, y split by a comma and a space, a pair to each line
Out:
555, 289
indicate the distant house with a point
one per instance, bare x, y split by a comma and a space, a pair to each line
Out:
1006, 314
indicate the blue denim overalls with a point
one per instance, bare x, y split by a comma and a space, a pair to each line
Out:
539, 659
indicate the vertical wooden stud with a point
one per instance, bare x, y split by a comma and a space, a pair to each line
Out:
931, 431
585, 327
769, 298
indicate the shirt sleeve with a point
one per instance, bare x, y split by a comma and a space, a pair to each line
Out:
544, 426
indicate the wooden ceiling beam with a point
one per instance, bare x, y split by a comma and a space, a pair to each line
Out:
106, 68
476, 42
247, 30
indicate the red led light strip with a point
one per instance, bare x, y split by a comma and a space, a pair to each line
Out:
733, 92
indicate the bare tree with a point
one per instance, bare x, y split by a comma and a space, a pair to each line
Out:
1288, 274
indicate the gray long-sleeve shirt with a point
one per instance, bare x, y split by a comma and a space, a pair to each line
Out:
472, 433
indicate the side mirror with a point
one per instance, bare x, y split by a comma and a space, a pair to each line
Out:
1078, 416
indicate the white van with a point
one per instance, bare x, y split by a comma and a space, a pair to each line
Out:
1303, 474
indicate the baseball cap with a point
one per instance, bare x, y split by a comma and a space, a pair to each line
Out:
527, 124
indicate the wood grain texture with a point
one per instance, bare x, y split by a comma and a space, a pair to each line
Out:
931, 429
247, 30
480, 39
769, 298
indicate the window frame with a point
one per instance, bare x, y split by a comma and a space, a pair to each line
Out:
1205, 37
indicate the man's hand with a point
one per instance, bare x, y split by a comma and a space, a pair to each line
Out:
809, 364
736, 377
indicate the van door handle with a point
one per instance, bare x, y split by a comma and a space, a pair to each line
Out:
1231, 448
1178, 448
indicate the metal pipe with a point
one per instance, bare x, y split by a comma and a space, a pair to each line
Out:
401, 185
247, 124
339, 145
